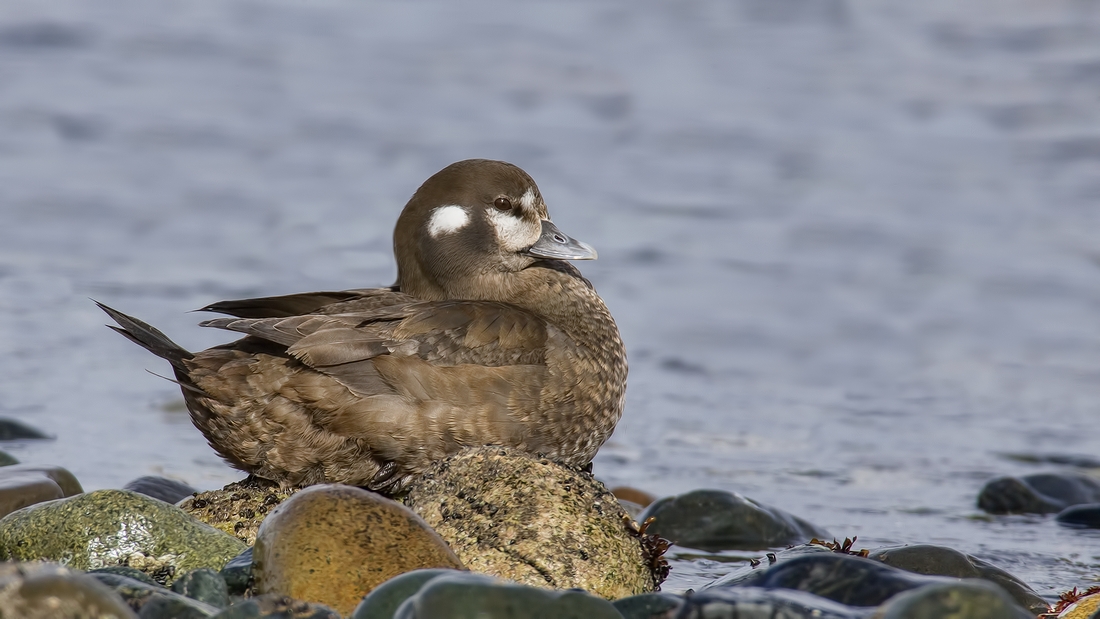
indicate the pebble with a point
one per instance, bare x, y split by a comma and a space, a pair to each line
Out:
965, 599
1041, 493
115, 527
162, 488
333, 544
535, 522
46, 590
154, 601
238, 508
14, 430
272, 606
1084, 516
204, 585
237, 573
714, 520
384, 599
469, 595
943, 561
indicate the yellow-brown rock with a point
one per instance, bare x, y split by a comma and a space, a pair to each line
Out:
531, 520
239, 508
1082, 608
333, 544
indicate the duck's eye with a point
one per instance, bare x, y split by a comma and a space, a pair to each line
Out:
503, 204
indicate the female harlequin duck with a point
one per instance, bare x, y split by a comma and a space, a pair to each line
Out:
488, 338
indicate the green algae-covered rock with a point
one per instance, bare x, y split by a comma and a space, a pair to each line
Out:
115, 527
965, 599
473, 596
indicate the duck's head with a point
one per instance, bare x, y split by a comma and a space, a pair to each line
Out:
471, 225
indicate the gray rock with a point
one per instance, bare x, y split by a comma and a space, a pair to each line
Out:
237, 573
474, 596
965, 599
758, 603
61, 476
6, 459
24, 489
649, 605
154, 601
128, 572
14, 430
204, 585
272, 606
162, 488
534, 521
1042, 493
115, 527
383, 601
718, 520
942, 561
47, 591
1085, 516
842, 578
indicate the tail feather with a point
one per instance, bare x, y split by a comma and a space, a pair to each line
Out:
147, 336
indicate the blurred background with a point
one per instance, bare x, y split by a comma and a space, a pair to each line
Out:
852, 247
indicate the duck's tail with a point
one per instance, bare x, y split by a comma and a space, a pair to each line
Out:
148, 337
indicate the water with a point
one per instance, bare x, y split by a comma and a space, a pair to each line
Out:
851, 247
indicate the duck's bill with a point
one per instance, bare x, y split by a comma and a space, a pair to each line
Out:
555, 244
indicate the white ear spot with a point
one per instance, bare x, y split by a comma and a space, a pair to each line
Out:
447, 219
528, 199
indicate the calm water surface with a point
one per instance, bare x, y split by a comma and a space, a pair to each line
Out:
852, 248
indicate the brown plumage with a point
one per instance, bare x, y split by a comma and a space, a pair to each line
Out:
487, 338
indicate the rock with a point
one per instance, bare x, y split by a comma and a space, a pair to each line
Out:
1087, 607
718, 520
21, 490
62, 477
842, 578
1084, 516
237, 573
115, 527
154, 601
942, 561
162, 488
534, 521
648, 606
333, 544
965, 599
47, 591
204, 585
273, 606
14, 430
753, 602
6, 459
384, 599
128, 572
638, 497
1042, 493
476, 595
239, 508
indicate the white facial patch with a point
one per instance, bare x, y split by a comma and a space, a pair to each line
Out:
514, 233
447, 219
527, 200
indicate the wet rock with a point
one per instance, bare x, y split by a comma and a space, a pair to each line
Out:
965, 599
24, 489
46, 591
6, 459
273, 606
14, 430
115, 527
1082, 516
1042, 493
128, 572
239, 508
384, 599
237, 573
162, 488
204, 585
718, 520
154, 601
942, 561
533, 521
1087, 607
61, 476
477, 595
842, 578
753, 602
649, 606
333, 544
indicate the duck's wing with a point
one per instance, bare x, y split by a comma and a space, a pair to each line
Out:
440, 334
332, 302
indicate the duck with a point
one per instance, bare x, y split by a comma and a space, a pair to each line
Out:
489, 337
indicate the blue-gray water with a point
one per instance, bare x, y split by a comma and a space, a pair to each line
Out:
852, 247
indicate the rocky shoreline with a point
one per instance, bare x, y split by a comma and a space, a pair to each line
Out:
487, 533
